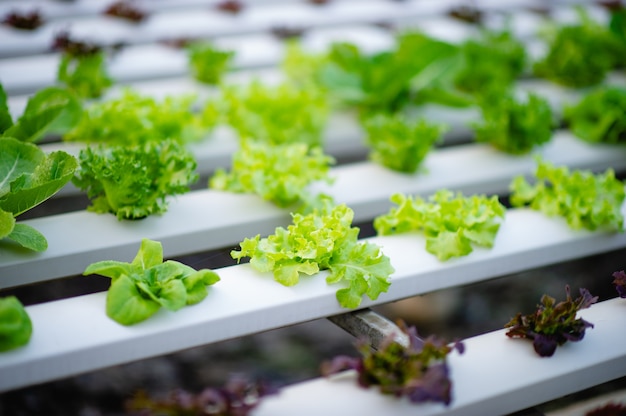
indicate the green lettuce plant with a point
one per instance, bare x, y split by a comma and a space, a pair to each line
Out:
584, 199
451, 222
133, 182
140, 288
322, 240
16, 326
28, 177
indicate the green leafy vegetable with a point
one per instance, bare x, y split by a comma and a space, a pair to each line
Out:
16, 327
82, 67
599, 116
277, 115
140, 288
451, 223
50, 110
493, 61
387, 81
238, 397
418, 371
133, 182
581, 55
398, 143
585, 200
322, 240
553, 324
512, 125
134, 119
208, 63
27, 178
279, 173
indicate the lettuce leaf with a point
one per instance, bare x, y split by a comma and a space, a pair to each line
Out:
511, 125
279, 173
28, 177
451, 223
322, 240
600, 116
208, 63
16, 327
140, 288
400, 144
135, 119
133, 182
585, 200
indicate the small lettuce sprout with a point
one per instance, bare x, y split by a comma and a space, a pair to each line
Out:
585, 200
492, 61
125, 10
553, 324
511, 125
322, 240
207, 63
608, 409
600, 116
619, 280
277, 114
16, 327
280, 173
24, 20
238, 397
418, 371
452, 223
581, 55
28, 177
82, 67
133, 182
132, 119
140, 288
51, 110
230, 6
398, 143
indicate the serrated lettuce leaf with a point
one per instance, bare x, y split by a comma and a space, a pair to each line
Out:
452, 224
322, 240
585, 200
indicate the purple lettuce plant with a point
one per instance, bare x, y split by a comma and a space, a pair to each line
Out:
418, 370
620, 283
553, 323
237, 398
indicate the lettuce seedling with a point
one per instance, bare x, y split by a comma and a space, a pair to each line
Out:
619, 280
133, 182
24, 20
511, 125
389, 80
322, 240
418, 371
585, 200
28, 177
140, 288
52, 110
82, 67
600, 116
238, 397
452, 223
207, 63
553, 324
400, 144
493, 61
125, 10
581, 55
16, 327
277, 114
132, 119
280, 173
